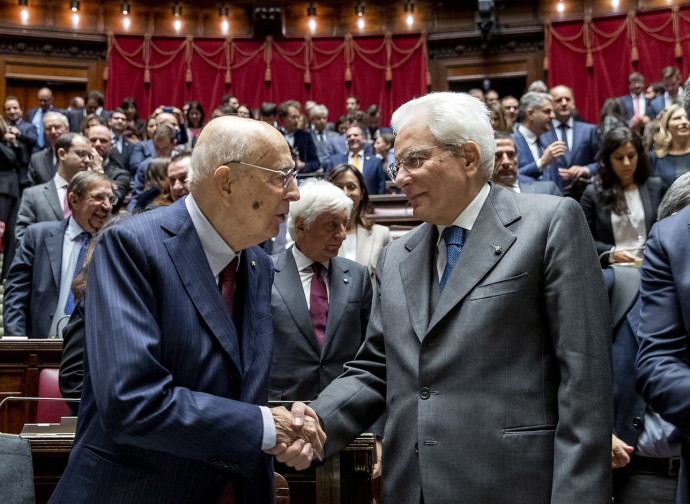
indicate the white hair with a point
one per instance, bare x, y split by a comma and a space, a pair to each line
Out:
318, 110
226, 146
315, 198
53, 113
453, 118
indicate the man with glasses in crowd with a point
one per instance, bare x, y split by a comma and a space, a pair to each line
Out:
179, 338
44, 163
488, 345
38, 300
48, 201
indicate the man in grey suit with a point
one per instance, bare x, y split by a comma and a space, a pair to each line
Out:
44, 163
506, 170
318, 117
48, 201
313, 339
494, 372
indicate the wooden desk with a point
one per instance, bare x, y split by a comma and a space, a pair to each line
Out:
20, 364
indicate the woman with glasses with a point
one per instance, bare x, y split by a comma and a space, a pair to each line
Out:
364, 240
621, 203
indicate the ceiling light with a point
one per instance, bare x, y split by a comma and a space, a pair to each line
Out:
74, 5
125, 8
177, 24
409, 7
560, 7
223, 11
311, 10
359, 9
177, 10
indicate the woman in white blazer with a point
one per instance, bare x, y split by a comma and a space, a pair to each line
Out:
364, 240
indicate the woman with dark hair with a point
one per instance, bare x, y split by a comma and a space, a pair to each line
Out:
134, 122
612, 116
149, 128
621, 203
383, 146
195, 120
341, 125
364, 240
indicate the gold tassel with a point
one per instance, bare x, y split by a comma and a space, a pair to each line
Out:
545, 64
307, 77
679, 51
105, 74
268, 74
389, 74
590, 60
634, 55
228, 79
348, 75
189, 76
147, 76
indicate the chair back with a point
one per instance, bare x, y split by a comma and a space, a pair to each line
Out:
50, 411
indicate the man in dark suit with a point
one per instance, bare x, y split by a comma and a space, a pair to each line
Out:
318, 116
290, 113
48, 201
506, 170
663, 373
535, 158
24, 132
36, 115
118, 125
181, 290
37, 292
95, 101
338, 146
164, 145
496, 386
145, 149
670, 78
314, 339
370, 166
44, 163
578, 164
634, 103
373, 128
109, 161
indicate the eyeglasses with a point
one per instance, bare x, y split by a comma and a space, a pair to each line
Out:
84, 154
101, 198
411, 161
286, 175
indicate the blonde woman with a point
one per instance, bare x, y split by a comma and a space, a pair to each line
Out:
671, 156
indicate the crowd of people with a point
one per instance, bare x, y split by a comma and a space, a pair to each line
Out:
337, 292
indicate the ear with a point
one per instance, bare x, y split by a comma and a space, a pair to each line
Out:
224, 180
61, 153
73, 200
471, 152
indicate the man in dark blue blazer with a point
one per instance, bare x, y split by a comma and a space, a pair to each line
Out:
663, 369
174, 399
635, 103
671, 79
290, 114
36, 116
578, 163
370, 166
24, 132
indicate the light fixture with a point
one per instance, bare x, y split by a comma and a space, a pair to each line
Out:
177, 10
124, 7
311, 14
560, 7
223, 11
360, 23
224, 26
409, 7
75, 19
177, 24
74, 5
25, 15
126, 23
615, 3
359, 9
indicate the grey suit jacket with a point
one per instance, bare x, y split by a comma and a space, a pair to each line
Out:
41, 168
370, 242
502, 392
33, 282
300, 370
540, 187
39, 203
321, 146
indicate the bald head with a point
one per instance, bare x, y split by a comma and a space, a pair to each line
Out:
168, 120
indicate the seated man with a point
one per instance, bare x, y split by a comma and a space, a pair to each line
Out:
320, 303
38, 300
506, 170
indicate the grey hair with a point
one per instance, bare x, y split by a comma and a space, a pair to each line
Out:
635, 76
538, 86
686, 96
83, 180
315, 198
318, 110
226, 146
676, 198
452, 118
532, 101
63, 117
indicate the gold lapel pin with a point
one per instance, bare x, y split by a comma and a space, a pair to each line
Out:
253, 264
497, 249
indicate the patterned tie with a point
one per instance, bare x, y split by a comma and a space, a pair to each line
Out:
355, 161
318, 308
228, 284
85, 240
454, 236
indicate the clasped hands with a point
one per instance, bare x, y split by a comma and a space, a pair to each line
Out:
299, 436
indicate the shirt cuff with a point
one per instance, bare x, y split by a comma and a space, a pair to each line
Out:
538, 161
269, 440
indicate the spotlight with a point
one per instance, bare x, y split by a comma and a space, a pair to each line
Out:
224, 26
177, 10
311, 10
74, 5
560, 7
409, 20
360, 23
223, 11
25, 15
615, 3
312, 24
177, 24
409, 7
125, 8
359, 10
126, 23
23, 3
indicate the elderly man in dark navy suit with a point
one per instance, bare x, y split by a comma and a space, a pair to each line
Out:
179, 341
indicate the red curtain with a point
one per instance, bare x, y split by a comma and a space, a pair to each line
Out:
594, 56
384, 70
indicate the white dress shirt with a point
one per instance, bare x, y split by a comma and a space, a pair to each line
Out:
531, 140
61, 185
306, 273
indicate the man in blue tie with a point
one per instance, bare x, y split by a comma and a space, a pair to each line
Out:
38, 299
488, 344
36, 115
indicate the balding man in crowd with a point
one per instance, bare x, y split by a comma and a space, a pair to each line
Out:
180, 290
109, 161
44, 163
318, 116
48, 201
36, 115
145, 148
495, 377
164, 145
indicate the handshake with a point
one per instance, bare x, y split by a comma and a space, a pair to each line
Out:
299, 436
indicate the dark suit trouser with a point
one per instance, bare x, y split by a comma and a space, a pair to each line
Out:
9, 206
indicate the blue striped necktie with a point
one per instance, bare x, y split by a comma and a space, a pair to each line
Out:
454, 236
85, 240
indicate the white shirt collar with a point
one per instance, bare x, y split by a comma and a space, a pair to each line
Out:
218, 253
59, 181
556, 123
73, 229
303, 262
469, 215
529, 136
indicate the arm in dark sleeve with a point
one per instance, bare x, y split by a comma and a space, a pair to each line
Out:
72, 363
17, 299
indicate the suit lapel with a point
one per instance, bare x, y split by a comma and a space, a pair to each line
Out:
53, 245
50, 194
187, 255
479, 255
289, 285
340, 285
416, 276
649, 212
248, 268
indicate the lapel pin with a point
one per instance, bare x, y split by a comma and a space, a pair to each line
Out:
497, 249
345, 280
253, 264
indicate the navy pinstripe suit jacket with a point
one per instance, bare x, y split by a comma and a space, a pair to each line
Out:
169, 407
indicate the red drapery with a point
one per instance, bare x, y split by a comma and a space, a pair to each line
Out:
594, 56
384, 70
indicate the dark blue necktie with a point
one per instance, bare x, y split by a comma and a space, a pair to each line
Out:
85, 240
564, 134
454, 236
